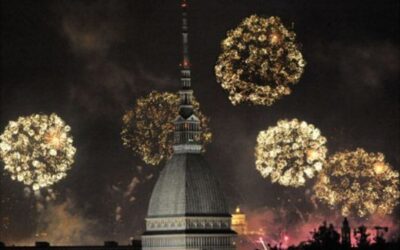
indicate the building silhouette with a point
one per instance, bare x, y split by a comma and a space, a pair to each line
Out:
108, 245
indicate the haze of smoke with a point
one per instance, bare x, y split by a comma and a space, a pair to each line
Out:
277, 222
370, 65
361, 68
64, 224
94, 32
126, 199
127, 195
92, 28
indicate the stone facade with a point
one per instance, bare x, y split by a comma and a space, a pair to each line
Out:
200, 241
187, 209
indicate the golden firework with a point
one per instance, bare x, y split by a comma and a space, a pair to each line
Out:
259, 60
37, 150
148, 128
358, 183
290, 152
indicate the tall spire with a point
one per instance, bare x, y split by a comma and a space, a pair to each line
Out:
186, 92
187, 124
185, 64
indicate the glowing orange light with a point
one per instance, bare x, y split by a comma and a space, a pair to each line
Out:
88, 40
312, 154
274, 38
54, 138
185, 63
184, 4
380, 167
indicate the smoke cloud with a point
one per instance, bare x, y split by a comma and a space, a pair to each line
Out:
96, 32
64, 224
360, 68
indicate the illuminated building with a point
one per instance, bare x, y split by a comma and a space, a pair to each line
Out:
239, 223
247, 238
187, 209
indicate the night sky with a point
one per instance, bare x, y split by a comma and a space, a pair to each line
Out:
88, 61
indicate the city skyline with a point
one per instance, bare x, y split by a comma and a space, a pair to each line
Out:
90, 61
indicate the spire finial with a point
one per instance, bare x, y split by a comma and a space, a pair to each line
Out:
185, 63
186, 93
187, 125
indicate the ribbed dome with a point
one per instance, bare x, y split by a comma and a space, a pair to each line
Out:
186, 186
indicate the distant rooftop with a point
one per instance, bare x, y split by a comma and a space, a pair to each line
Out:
108, 245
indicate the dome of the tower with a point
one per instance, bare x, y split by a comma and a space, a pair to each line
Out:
186, 186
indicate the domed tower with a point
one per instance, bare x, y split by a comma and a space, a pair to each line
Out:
187, 209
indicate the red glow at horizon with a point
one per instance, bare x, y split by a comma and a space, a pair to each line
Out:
287, 233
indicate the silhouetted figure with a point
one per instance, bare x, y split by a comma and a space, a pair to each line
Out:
346, 234
325, 238
361, 236
379, 237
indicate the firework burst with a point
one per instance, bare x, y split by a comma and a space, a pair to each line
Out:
259, 60
148, 127
359, 183
290, 152
37, 150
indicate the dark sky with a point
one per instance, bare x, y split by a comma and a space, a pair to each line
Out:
88, 61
